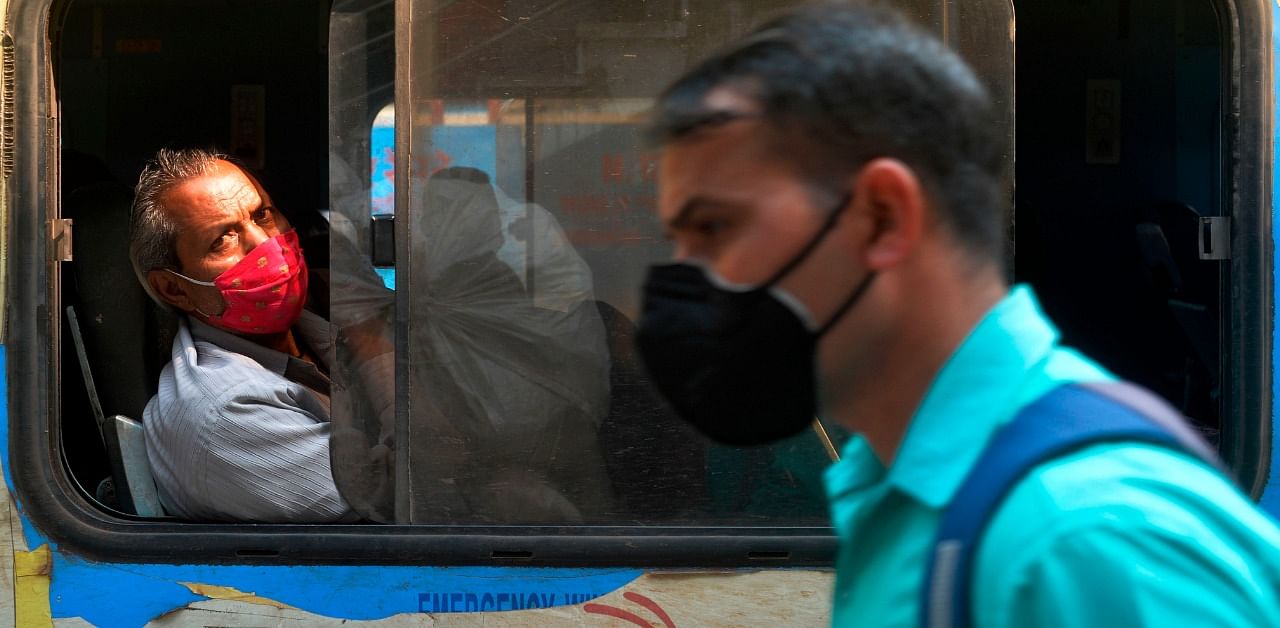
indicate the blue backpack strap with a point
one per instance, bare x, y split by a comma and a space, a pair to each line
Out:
1064, 420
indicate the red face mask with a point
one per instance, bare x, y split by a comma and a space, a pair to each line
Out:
265, 290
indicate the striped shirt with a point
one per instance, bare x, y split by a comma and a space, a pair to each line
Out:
240, 432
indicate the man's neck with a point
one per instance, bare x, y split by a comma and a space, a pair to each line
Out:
879, 400
284, 342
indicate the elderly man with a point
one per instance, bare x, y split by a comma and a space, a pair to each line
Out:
239, 429
832, 187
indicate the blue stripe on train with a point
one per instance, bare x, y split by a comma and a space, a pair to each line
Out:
1271, 492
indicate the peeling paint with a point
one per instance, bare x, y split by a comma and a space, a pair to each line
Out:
31, 575
216, 592
108, 594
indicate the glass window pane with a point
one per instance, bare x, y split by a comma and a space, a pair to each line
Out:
362, 308
526, 229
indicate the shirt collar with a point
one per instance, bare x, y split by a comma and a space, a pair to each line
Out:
852, 484
971, 397
277, 362
858, 468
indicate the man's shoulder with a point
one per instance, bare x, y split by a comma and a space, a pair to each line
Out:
1133, 474
1127, 494
1127, 515
202, 378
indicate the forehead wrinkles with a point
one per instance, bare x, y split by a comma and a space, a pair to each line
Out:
232, 193
196, 199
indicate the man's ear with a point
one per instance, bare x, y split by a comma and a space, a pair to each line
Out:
170, 289
890, 195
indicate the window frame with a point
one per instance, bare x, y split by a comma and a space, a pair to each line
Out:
51, 502
58, 508
1248, 423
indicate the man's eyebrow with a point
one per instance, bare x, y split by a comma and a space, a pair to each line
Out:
687, 123
686, 211
682, 216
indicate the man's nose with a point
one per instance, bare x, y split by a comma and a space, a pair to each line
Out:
253, 236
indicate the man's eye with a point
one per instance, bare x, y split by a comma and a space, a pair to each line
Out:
223, 241
265, 215
709, 228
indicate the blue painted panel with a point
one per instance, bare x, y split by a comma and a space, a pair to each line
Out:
34, 537
1271, 493
130, 595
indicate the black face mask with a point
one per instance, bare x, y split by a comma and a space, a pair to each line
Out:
737, 364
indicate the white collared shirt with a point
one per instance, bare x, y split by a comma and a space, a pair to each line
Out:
232, 434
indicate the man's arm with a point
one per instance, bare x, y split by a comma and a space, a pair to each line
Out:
364, 432
270, 463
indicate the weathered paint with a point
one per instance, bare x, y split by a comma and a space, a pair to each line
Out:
131, 594
790, 598
215, 592
8, 549
31, 587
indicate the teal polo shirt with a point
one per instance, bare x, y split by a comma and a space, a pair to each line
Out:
1116, 534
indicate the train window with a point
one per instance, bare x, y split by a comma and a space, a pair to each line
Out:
476, 200
133, 77
1129, 265
508, 200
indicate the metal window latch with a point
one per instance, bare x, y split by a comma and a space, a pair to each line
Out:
60, 238
1215, 237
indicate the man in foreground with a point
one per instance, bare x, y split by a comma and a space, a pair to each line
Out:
843, 165
239, 429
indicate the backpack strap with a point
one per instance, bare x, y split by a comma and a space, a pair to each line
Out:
1066, 419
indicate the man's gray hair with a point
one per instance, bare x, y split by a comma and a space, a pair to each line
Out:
151, 231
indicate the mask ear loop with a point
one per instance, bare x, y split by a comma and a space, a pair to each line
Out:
848, 303
194, 281
813, 242
808, 249
198, 283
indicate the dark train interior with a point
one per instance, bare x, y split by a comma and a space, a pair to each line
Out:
1121, 148
132, 77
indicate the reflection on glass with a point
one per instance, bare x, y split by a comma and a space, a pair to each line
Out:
362, 309
511, 394
527, 231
